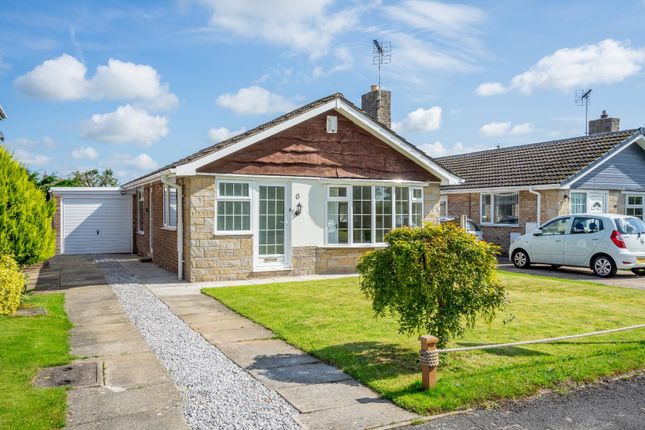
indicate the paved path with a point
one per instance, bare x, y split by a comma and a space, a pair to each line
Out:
622, 278
135, 391
619, 405
326, 397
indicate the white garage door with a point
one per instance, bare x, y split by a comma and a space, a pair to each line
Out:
96, 224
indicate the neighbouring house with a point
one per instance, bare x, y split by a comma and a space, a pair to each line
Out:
308, 192
510, 191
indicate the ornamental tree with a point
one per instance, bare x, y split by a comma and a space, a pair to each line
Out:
436, 279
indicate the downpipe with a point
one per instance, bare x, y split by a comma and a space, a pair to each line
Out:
539, 204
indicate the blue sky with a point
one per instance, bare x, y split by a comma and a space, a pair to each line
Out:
135, 85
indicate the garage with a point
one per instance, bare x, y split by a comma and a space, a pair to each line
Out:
93, 220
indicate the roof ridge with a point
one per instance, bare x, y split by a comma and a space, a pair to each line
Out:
546, 142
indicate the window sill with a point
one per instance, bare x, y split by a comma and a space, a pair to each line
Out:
140, 232
500, 225
354, 245
233, 233
169, 228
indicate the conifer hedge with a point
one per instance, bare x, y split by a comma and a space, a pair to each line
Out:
26, 231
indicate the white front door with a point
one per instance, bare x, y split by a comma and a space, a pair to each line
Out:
597, 203
272, 242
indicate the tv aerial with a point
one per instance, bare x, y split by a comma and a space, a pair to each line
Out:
583, 98
381, 54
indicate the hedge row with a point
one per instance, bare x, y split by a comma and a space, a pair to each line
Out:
26, 231
12, 284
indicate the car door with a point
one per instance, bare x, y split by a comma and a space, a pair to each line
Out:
584, 236
548, 246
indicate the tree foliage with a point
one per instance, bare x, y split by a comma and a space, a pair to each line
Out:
94, 178
437, 279
26, 231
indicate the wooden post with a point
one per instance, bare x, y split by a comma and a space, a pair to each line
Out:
428, 373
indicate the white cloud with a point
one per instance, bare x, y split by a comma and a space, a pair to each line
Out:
304, 26
125, 125
438, 149
490, 89
254, 100
85, 152
31, 159
606, 62
64, 78
498, 129
420, 120
344, 61
43, 142
222, 133
140, 162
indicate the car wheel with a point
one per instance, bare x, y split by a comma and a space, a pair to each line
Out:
521, 259
639, 271
603, 266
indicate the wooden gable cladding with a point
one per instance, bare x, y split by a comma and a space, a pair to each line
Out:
306, 149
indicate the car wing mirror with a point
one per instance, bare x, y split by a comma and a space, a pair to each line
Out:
537, 232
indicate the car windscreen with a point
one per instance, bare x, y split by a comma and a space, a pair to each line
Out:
630, 225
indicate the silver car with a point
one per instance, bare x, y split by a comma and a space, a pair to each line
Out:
471, 227
603, 242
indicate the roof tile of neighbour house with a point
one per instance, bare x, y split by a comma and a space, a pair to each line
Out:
274, 122
542, 163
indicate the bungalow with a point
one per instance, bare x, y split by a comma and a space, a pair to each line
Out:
510, 191
306, 193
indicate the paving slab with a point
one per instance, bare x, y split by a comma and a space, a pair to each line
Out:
102, 320
265, 354
82, 336
134, 370
169, 419
105, 349
299, 374
219, 337
317, 397
376, 413
102, 403
224, 323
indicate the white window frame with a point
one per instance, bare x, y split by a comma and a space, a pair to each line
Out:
166, 207
491, 215
140, 209
443, 200
641, 206
350, 198
221, 198
571, 202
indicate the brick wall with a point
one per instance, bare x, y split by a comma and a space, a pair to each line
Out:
338, 260
56, 223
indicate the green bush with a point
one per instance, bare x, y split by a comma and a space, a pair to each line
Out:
12, 283
435, 279
6, 262
26, 231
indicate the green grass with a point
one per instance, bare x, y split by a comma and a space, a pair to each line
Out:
332, 320
27, 344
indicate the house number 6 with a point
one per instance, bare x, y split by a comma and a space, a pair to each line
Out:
297, 196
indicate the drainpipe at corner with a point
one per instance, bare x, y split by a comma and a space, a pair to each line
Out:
539, 204
180, 225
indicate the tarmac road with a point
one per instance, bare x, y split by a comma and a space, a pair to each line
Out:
618, 404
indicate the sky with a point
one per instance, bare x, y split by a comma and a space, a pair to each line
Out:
134, 85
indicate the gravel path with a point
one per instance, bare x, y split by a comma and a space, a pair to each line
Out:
216, 392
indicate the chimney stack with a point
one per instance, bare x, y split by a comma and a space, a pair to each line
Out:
604, 125
377, 105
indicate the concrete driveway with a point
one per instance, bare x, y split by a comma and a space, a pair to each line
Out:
622, 278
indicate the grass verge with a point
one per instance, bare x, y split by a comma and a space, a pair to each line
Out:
27, 344
332, 320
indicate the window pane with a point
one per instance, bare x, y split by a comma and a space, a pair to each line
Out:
172, 207
362, 214
337, 191
337, 222
417, 214
486, 207
586, 225
635, 200
402, 206
443, 208
559, 226
506, 208
383, 197
578, 203
417, 193
229, 189
140, 212
233, 216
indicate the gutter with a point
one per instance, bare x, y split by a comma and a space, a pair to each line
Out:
539, 204
180, 225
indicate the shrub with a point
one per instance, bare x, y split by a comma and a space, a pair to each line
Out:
12, 283
6, 262
435, 278
26, 230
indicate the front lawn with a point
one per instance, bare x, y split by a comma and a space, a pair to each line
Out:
332, 320
27, 344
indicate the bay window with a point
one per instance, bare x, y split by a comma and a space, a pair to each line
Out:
634, 205
169, 207
234, 207
363, 214
500, 208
